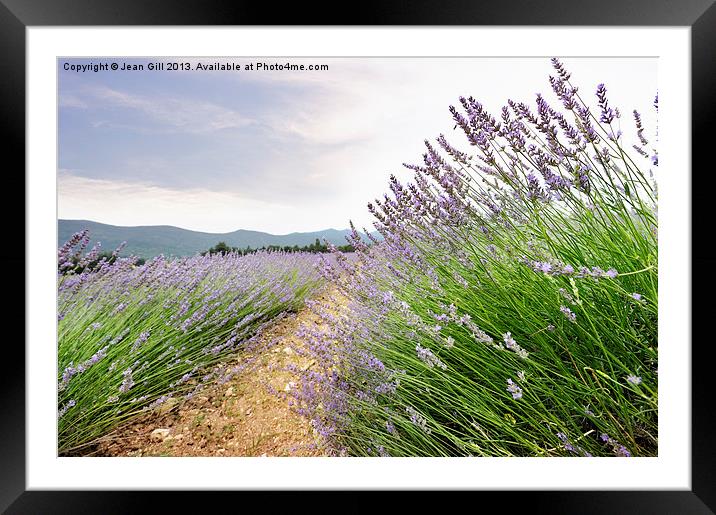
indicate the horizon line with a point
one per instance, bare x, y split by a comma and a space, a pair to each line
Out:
205, 232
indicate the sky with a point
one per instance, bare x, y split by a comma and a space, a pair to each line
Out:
283, 151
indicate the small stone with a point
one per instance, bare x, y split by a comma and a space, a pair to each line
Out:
288, 350
159, 435
230, 391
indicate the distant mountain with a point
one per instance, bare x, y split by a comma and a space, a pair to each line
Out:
152, 240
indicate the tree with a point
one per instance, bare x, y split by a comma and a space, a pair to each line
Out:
219, 248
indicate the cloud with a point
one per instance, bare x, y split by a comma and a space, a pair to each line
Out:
71, 101
342, 105
172, 113
364, 100
135, 203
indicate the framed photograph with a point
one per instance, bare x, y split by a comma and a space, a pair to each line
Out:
440, 248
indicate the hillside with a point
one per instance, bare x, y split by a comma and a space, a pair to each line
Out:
152, 240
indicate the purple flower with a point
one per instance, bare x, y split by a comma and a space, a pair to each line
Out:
510, 342
546, 267
161, 400
607, 115
563, 74
569, 314
71, 403
534, 190
515, 390
620, 450
120, 307
569, 446
127, 382
143, 336
634, 379
418, 420
512, 345
430, 359
617, 448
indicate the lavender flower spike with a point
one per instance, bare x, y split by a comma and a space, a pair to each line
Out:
515, 390
607, 114
512, 345
634, 379
430, 359
569, 314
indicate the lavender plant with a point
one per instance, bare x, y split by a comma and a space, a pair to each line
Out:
511, 308
132, 338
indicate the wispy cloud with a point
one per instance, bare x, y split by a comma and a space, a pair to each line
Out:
71, 101
172, 114
135, 203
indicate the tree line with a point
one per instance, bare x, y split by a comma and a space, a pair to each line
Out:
314, 248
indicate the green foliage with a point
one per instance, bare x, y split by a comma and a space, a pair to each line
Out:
314, 248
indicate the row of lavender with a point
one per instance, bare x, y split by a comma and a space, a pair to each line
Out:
511, 309
132, 338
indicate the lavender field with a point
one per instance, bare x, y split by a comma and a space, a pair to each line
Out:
133, 338
508, 308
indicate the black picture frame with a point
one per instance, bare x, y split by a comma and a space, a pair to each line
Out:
699, 15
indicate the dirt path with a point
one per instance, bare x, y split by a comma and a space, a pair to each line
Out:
239, 418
